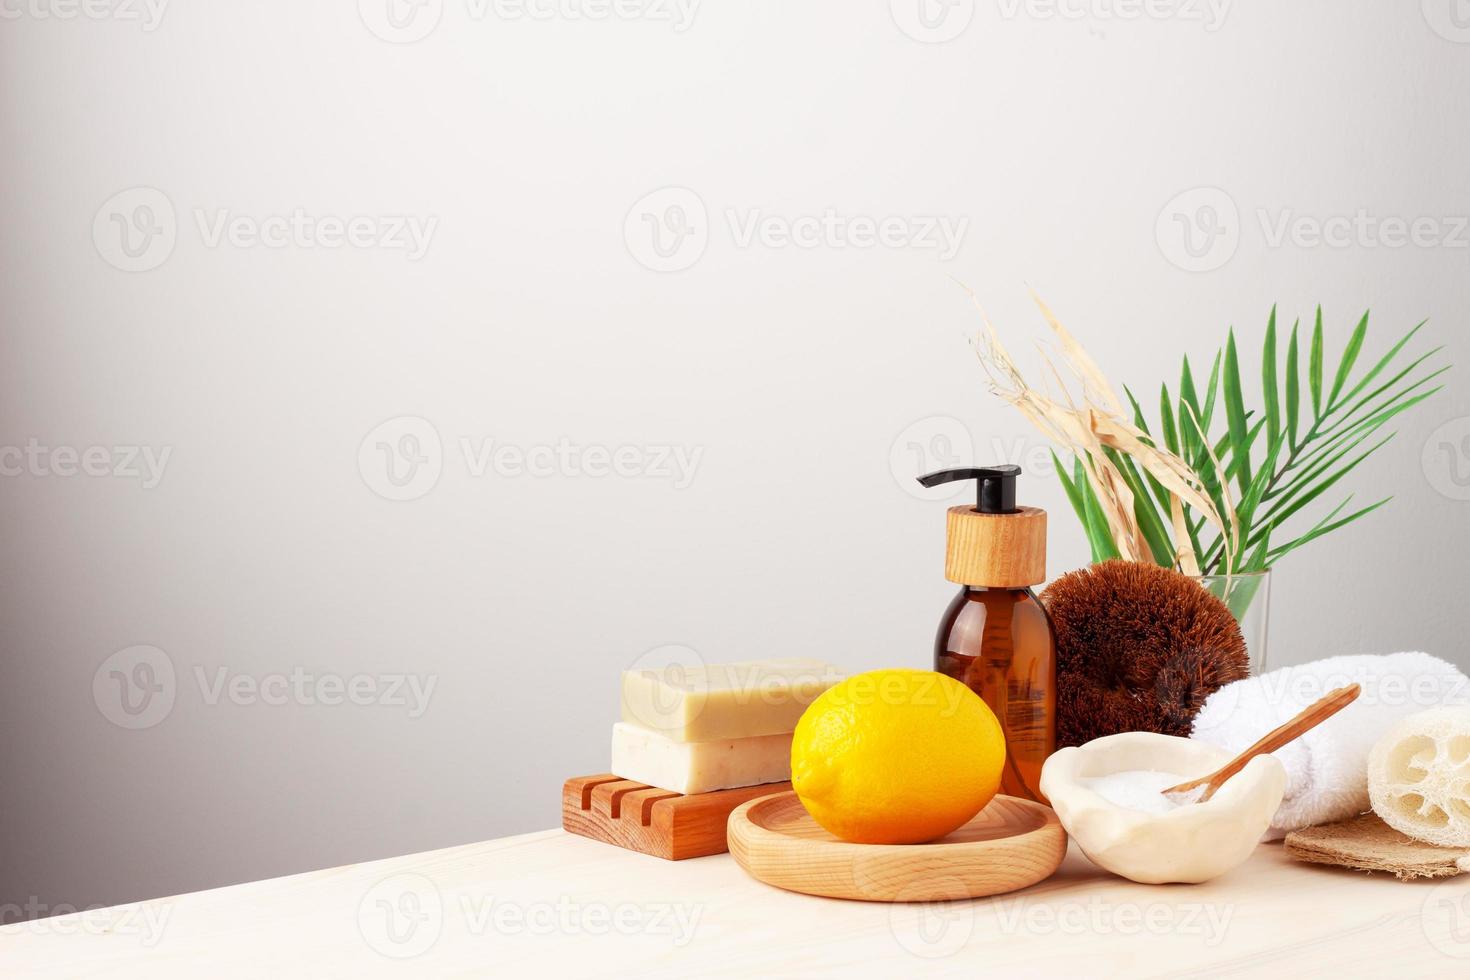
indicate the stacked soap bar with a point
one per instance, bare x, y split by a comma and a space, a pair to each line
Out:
700, 729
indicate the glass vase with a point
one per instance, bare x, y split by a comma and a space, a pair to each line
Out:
1248, 594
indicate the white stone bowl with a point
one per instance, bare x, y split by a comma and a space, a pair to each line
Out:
1193, 843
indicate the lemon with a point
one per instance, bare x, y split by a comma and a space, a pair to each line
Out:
896, 757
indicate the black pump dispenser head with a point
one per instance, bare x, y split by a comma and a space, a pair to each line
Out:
995, 486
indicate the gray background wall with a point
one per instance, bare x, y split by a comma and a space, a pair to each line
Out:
1068, 138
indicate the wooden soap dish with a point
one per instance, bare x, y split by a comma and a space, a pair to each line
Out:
1010, 844
653, 821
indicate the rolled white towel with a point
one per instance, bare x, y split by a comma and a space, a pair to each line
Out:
1327, 768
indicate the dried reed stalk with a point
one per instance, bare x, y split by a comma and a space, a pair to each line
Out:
1094, 422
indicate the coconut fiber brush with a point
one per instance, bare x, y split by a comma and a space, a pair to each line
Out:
1139, 648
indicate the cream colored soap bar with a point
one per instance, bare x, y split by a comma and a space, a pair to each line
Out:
699, 767
724, 701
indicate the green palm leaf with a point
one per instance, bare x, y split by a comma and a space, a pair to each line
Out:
1269, 389
1349, 358
1384, 362
1281, 459
1314, 369
1235, 416
1293, 388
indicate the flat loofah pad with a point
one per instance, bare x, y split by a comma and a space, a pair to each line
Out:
1366, 843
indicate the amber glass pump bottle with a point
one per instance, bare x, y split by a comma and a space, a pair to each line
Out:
995, 636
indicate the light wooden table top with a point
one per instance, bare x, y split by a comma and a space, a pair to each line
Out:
550, 905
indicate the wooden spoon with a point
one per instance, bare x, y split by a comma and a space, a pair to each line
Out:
1309, 718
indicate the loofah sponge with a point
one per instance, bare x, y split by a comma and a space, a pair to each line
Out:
1139, 649
1419, 776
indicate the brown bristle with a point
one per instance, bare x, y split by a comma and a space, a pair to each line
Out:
1139, 648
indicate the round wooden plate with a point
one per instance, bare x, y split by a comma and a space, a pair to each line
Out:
1010, 844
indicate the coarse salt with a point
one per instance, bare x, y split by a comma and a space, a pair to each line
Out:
1137, 789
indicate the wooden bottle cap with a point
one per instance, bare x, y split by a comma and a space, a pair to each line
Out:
1001, 551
